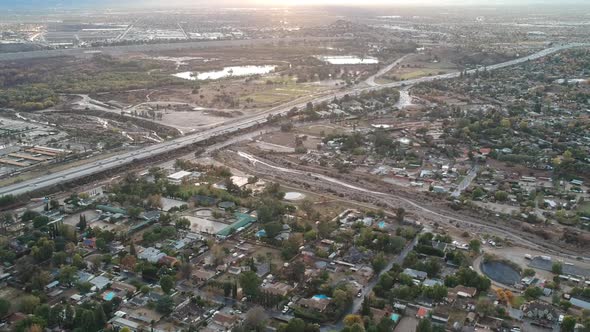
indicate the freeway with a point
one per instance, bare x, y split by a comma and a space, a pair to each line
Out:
68, 175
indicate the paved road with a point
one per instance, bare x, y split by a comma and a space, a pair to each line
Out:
232, 126
466, 181
371, 80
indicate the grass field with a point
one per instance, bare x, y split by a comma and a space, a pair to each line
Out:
421, 69
584, 208
281, 93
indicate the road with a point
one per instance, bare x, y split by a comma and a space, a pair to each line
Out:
371, 80
232, 126
466, 181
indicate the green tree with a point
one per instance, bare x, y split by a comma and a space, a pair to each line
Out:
532, 293
424, 326
4, 307
557, 268
28, 304
250, 283
167, 283
501, 195
68, 274
379, 262
475, 245
296, 325
568, 324
165, 305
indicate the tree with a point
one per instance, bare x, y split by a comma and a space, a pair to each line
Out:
295, 325
250, 283
568, 324
485, 307
167, 283
528, 272
183, 223
352, 319
256, 319
129, 262
366, 306
4, 307
132, 250
475, 245
533, 293
385, 325
557, 268
29, 303
501, 195
68, 274
165, 305
400, 214
82, 224
424, 326
379, 262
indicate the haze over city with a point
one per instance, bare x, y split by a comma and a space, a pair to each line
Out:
294, 166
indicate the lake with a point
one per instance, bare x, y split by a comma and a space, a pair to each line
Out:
501, 272
235, 71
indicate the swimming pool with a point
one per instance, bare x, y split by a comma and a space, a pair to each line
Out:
381, 224
320, 297
109, 296
395, 317
261, 233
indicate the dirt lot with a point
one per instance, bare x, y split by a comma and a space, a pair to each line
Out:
409, 322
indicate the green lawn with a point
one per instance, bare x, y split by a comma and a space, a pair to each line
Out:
584, 208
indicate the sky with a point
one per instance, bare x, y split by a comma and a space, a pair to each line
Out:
274, 3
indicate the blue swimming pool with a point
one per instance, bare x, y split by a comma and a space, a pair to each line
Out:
395, 317
320, 297
381, 224
261, 233
109, 296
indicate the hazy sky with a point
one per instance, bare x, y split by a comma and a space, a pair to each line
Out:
278, 3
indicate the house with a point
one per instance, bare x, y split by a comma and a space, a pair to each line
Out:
227, 321
151, 216
151, 255
355, 256
577, 302
89, 243
440, 318
315, 303
432, 282
168, 261
100, 282
202, 275
465, 292
225, 205
277, 288
415, 274
540, 311
422, 313
178, 177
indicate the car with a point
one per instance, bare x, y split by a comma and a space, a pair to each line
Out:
285, 310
